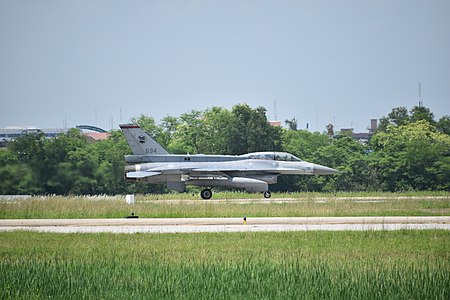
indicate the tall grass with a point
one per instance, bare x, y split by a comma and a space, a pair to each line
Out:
247, 280
148, 206
309, 265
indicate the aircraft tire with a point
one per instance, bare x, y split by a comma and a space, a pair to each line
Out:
267, 195
206, 194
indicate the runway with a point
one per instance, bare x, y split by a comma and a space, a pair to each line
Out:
192, 225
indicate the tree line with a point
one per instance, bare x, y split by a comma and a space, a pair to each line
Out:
409, 151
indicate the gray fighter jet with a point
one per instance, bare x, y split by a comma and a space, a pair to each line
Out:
252, 172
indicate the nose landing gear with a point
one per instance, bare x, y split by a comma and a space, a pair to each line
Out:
267, 195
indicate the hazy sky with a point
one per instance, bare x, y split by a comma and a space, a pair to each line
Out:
93, 61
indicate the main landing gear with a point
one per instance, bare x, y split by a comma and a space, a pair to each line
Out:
206, 194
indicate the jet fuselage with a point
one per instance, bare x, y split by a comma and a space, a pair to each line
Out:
253, 171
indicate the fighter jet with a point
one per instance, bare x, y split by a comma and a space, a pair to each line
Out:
252, 172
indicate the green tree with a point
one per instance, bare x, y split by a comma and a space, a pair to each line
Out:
216, 128
220, 131
412, 157
303, 143
59, 176
419, 113
443, 125
188, 137
169, 126
8, 157
398, 116
251, 132
109, 155
149, 125
351, 158
17, 179
15, 176
30, 150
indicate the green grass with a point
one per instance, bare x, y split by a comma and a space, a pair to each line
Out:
311, 265
153, 206
195, 192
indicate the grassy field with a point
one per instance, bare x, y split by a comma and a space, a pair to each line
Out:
187, 205
404, 264
311, 265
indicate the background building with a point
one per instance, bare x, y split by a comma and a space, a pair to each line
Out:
11, 133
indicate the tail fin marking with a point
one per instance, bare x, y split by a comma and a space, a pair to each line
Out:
141, 142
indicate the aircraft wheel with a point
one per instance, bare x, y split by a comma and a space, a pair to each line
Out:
206, 194
267, 195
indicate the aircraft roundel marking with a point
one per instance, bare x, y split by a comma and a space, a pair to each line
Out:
141, 139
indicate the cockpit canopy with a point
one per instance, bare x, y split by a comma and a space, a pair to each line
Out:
280, 156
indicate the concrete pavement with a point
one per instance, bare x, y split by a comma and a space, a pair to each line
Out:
185, 225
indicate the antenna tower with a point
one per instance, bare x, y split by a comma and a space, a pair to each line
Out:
420, 95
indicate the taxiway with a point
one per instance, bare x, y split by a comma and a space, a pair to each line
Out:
190, 225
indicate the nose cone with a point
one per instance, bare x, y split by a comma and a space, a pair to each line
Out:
322, 170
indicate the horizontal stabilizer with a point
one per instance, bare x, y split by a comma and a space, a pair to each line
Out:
141, 174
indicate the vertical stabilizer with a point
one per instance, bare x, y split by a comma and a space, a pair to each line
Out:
141, 143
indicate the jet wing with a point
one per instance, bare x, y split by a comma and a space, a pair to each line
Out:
203, 171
